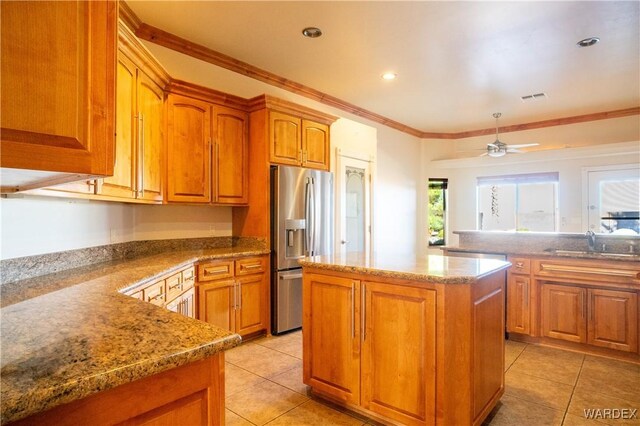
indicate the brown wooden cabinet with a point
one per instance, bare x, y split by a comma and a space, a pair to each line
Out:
564, 312
331, 348
298, 142
57, 93
518, 301
234, 294
139, 137
201, 169
613, 319
397, 384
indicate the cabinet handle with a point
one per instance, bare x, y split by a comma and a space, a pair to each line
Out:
526, 295
584, 305
216, 271
240, 294
592, 310
216, 189
141, 162
210, 169
254, 266
300, 155
353, 310
156, 297
235, 296
171, 287
363, 311
519, 265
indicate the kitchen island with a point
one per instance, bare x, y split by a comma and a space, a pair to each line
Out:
75, 350
409, 340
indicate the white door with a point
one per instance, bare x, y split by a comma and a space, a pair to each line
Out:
354, 181
613, 199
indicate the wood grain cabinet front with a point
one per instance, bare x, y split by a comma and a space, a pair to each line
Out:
57, 92
518, 299
234, 294
207, 153
613, 319
298, 142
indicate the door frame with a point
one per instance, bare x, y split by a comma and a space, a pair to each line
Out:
343, 157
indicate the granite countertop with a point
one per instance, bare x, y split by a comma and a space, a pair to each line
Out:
431, 268
71, 334
524, 251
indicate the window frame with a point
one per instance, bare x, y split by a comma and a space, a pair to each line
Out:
443, 184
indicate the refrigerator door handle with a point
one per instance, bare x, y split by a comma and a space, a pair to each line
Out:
307, 216
313, 231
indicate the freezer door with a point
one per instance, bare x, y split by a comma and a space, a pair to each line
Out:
288, 301
290, 224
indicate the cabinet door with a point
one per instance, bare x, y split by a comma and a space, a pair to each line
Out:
231, 156
399, 384
315, 145
151, 124
518, 304
563, 311
613, 319
123, 182
285, 131
57, 92
331, 338
216, 303
188, 157
250, 315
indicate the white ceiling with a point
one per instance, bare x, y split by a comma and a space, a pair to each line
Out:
457, 62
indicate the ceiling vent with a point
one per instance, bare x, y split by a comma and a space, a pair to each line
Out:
534, 97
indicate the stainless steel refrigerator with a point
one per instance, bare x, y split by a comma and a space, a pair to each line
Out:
301, 225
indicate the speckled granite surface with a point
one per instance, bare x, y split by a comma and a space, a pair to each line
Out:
434, 269
31, 266
70, 334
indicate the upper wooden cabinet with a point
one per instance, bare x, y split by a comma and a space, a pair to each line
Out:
188, 150
57, 91
201, 168
298, 142
139, 137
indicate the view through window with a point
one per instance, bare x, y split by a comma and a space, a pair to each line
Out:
526, 202
437, 211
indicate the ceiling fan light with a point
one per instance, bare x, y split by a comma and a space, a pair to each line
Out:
498, 153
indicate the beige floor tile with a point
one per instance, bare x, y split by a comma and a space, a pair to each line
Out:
549, 363
290, 343
312, 413
617, 379
540, 391
512, 411
261, 360
232, 419
588, 399
512, 351
291, 379
237, 379
264, 402
573, 420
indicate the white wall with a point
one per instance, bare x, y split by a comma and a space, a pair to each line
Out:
31, 225
462, 174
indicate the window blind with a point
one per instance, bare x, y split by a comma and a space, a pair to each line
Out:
547, 177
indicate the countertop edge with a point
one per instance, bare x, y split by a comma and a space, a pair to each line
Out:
594, 256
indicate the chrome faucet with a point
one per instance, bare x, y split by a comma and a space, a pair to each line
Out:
591, 240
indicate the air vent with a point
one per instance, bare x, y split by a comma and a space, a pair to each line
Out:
534, 97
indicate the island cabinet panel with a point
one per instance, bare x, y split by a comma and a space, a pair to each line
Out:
613, 319
58, 86
285, 137
518, 314
400, 385
331, 338
191, 394
564, 312
188, 150
231, 157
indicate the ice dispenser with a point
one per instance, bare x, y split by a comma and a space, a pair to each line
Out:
295, 232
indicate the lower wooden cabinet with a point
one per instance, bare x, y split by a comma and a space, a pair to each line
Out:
518, 295
600, 317
352, 332
234, 294
184, 304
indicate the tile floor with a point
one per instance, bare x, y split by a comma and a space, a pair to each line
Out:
544, 386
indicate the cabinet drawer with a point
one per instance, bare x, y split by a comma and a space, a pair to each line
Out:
520, 265
252, 265
189, 274
155, 293
215, 271
174, 285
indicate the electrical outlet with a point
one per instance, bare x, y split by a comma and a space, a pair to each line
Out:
212, 230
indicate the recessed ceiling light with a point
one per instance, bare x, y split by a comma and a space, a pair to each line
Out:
389, 76
312, 32
588, 42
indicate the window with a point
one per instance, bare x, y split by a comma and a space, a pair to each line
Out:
526, 202
437, 211
613, 200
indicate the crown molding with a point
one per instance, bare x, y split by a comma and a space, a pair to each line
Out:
178, 44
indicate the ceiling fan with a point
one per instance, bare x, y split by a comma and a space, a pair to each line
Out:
498, 149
